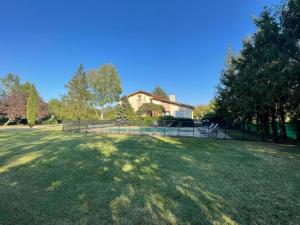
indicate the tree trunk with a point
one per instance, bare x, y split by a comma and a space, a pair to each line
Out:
8, 122
97, 114
282, 126
243, 127
102, 114
274, 128
297, 128
264, 126
249, 120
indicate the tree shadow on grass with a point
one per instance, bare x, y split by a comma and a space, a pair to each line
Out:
56, 178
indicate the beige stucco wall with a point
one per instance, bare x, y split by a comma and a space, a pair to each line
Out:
135, 103
180, 111
175, 110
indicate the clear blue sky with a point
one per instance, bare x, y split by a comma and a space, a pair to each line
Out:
179, 45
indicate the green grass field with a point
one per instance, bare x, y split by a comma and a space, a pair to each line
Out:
50, 177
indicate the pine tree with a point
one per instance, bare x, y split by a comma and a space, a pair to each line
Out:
78, 97
32, 106
125, 114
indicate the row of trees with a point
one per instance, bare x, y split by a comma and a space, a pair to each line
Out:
261, 84
90, 96
87, 94
19, 102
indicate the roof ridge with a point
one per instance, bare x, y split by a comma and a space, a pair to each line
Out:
160, 98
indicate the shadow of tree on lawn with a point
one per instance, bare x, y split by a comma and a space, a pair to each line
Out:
56, 178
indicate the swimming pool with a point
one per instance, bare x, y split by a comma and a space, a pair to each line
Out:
200, 132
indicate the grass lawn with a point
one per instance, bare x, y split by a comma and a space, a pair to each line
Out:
50, 177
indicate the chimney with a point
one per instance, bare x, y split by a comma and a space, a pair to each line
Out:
172, 98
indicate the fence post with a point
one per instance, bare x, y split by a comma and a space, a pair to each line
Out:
178, 132
100, 130
63, 127
86, 127
207, 132
164, 131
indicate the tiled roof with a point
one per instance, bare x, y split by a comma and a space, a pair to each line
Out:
160, 99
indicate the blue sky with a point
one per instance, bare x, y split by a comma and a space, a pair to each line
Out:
179, 45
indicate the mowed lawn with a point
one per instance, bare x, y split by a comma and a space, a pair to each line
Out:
50, 177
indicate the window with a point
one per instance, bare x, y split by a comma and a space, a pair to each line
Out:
139, 98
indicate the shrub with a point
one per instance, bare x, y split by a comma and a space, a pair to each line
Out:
170, 121
150, 109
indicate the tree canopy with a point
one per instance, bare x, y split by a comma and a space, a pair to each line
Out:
202, 110
150, 109
14, 100
88, 95
160, 92
261, 84
105, 86
125, 114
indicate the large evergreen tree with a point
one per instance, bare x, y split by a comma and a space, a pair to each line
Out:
125, 114
261, 84
78, 97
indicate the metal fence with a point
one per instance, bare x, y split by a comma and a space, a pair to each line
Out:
106, 127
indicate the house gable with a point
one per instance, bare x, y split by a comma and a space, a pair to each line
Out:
137, 99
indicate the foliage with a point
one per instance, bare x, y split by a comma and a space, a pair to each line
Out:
78, 96
150, 109
105, 86
13, 101
170, 121
261, 84
9, 84
56, 108
50, 121
109, 112
201, 110
13, 107
88, 95
125, 114
32, 108
211, 117
158, 91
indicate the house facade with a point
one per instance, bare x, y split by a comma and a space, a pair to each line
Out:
172, 108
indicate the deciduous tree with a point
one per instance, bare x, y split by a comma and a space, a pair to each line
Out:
105, 86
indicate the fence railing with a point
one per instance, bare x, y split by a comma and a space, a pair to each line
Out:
199, 130
110, 128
